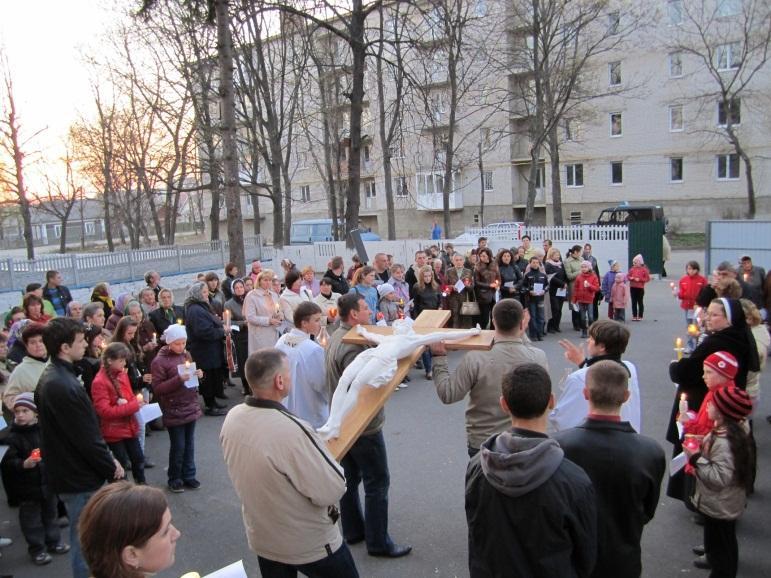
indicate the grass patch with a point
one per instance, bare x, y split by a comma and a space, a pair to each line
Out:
687, 240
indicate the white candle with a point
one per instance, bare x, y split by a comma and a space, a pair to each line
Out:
683, 405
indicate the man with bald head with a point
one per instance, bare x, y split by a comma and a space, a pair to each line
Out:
382, 274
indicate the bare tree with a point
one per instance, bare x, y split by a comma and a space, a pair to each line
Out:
15, 146
60, 198
730, 42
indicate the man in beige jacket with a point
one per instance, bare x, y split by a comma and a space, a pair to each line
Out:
480, 373
288, 483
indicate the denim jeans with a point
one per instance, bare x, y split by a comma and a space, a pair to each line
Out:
337, 565
536, 325
181, 452
367, 461
38, 522
586, 315
75, 504
130, 455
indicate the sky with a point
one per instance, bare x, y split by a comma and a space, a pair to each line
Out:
43, 41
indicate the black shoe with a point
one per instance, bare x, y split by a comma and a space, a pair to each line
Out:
176, 486
219, 405
59, 549
354, 541
193, 484
698, 550
149, 464
584, 334
557, 330
214, 411
395, 551
702, 562
221, 396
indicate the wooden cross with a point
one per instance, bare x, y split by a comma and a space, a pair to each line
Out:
371, 399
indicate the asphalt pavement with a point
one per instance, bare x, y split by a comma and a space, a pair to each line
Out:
427, 458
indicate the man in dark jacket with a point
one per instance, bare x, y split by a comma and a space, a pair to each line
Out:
336, 273
167, 313
625, 467
531, 513
77, 458
56, 293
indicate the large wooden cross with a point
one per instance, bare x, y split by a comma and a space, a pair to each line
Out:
371, 399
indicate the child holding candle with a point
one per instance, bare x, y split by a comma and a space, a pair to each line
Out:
388, 304
638, 276
689, 287
24, 476
724, 471
585, 287
116, 405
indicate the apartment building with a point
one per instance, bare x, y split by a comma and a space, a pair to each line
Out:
655, 135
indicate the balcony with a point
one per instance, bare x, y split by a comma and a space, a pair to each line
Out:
433, 201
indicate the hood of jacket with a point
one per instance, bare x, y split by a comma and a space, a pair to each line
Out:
518, 461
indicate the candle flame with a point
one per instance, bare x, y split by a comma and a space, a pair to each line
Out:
693, 330
678, 342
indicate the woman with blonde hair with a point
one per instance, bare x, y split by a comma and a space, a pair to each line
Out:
263, 313
126, 532
310, 284
426, 296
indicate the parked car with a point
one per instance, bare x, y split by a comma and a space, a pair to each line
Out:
624, 214
311, 231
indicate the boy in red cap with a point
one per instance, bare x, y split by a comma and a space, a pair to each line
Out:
720, 369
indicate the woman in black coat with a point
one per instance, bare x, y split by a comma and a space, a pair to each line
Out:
235, 305
728, 331
558, 281
206, 343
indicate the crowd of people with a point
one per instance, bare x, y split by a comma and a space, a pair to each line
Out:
76, 378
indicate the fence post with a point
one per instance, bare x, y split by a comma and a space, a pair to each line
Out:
131, 263
179, 259
74, 266
11, 276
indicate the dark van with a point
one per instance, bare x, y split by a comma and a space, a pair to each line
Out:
624, 214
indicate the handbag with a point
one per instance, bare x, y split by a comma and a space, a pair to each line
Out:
470, 308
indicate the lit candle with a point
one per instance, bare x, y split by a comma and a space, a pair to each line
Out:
278, 308
379, 316
187, 365
332, 312
683, 405
746, 277
323, 338
672, 285
179, 321
155, 337
679, 348
35, 454
693, 330
226, 315
140, 397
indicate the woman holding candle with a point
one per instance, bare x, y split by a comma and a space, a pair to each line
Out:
206, 336
727, 330
179, 404
234, 315
263, 313
116, 405
487, 279
327, 300
511, 276
292, 296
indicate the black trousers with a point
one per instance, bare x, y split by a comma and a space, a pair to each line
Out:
129, 453
38, 522
721, 547
210, 384
638, 307
556, 311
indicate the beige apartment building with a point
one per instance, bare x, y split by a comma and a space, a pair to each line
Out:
653, 139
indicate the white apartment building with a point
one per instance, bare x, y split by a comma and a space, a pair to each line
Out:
654, 139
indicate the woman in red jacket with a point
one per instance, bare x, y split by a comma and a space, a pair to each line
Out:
116, 407
585, 288
638, 276
180, 406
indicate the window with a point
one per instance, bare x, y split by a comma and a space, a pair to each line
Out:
676, 118
728, 7
370, 193
728, 56
305, 194
57, 231
615, 124
676, 170
574, 175
575, 217
438, 107
89, 227
366, 154
614, 72
728, 167
617, 172
487, 180
675, 65
675, 10
614, 20
397, 149
476, 218
732, 113
540, 177
302, 160
400, 187
572, 129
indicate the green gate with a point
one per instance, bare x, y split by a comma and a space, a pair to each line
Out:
646, 238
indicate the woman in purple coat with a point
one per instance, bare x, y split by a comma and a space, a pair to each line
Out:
179, 405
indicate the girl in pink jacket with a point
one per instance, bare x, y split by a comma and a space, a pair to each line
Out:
619, 294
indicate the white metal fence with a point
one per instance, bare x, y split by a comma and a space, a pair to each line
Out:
607, 243
86, 270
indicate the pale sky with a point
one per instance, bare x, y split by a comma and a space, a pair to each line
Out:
43, 40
